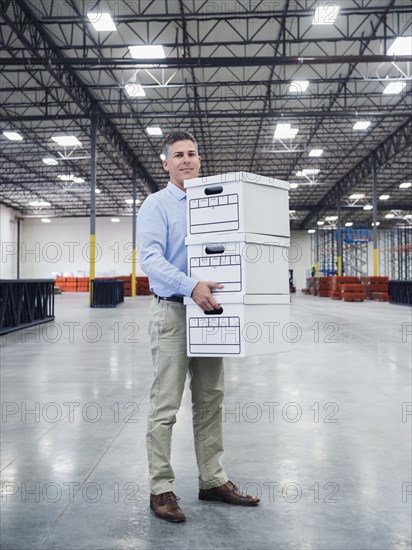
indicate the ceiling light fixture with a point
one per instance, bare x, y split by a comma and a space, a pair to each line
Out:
377, 223
130, 201
67, 141
101, 21
311, 230
97, 191
331, 218
405, 185
326, 14
316, 153
45, 220
368, 207
389, 216
13, 136
115, 220
154, 131
39, 204
320, 222
384, 197
149, 51
284, 131
394, 88
50, 161
294, 185
298, 86
356, 196
348, 224
401, 46
361, 125
134, 90
307, 172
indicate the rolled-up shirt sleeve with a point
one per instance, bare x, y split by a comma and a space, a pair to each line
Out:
152, 241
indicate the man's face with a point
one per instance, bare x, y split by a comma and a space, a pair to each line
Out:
182, 163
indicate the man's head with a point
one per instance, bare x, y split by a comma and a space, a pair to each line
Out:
181, 157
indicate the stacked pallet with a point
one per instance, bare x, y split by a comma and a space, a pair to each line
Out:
377, 288
142, 286
324, 287
83, 284
348, 289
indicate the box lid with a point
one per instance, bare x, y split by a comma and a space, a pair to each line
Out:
248, 299
237, 177
253, 238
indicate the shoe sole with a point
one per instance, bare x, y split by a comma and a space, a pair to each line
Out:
170, 520
211, 498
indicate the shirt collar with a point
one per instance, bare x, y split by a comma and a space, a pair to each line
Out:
176, 192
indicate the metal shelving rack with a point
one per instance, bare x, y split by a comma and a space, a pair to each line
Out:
395, 253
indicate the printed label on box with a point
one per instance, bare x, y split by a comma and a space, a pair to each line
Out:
214, 214
223, 333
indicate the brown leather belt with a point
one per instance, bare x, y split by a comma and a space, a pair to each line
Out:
178, 299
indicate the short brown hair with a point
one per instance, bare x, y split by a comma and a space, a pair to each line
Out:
176, 136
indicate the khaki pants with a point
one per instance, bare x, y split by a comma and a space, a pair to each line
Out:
168, 342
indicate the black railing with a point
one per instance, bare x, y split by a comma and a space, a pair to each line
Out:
25, 302
106, 293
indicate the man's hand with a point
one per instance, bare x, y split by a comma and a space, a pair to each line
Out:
202, 295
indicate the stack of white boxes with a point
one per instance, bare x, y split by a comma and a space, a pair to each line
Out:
238, 235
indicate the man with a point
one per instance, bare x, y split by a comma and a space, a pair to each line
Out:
161, 228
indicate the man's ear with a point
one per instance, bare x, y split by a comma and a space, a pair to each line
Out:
165, 165
200, 159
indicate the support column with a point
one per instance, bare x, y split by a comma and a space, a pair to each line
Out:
339, 235
375, 217
93, 141
317, 249
134, 177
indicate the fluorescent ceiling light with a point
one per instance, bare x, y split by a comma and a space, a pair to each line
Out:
101, 21
389, 216
298, 86
368, 207
331, 218
348, 224
292, 211
39, 203
355, 196
320, 222
401, 46
13, 136
66, 177
284, 131
45, 220
150, 51
130, 201
78, 180
307, 172
361, 125
394, 87
115, 220
311, 230
135, 90
384, 197
316, 153
154, 131
408, 216
162, 156
326, 14
67, 141
294, 185
97, 191
377, 223
50, 161
405, 185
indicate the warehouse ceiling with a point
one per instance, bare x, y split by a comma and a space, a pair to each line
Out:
232, 72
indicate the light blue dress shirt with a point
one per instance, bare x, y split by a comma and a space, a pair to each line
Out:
161, 232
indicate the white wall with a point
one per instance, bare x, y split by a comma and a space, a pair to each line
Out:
62, 247
8, 243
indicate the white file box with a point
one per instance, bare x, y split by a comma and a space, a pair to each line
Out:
238, 201
246, 325
245, 263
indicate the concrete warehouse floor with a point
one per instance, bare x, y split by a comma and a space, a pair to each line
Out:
323, 434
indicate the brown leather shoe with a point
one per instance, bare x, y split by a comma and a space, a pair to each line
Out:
228, 493
165, 506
